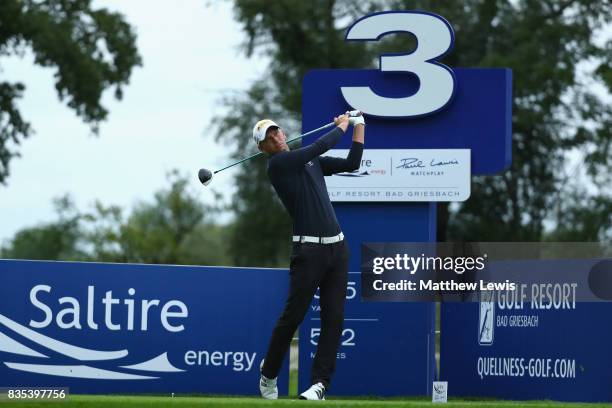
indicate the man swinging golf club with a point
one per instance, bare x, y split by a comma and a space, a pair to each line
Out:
320, 256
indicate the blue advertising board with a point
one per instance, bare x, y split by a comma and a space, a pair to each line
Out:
109, 328
511, 349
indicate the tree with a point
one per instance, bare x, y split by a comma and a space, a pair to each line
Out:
155, 232
584, 218
174, 228
91, 49
258, 212
298, 36
52, 241
554, 112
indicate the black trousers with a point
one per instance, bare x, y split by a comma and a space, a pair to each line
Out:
313, 265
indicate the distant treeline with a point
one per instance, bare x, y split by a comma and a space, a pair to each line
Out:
174, 227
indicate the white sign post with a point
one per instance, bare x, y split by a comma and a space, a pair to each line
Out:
440, 391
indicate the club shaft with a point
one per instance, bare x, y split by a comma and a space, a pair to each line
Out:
288, 141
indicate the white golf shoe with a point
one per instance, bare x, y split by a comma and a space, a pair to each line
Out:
316, 392
267, 386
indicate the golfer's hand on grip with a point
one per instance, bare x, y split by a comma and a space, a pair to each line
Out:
357, 120
342, 122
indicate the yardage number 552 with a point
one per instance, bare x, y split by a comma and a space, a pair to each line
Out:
348, 336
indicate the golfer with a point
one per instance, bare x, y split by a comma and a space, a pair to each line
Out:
320, 255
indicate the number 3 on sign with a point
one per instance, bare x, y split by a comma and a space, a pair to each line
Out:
434, 37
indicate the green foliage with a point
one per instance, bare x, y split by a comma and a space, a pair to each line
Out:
155, 232
258, 211
91, 50
583, 218
555, 112
51, 241
175, 228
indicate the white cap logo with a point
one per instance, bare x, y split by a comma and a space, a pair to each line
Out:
260, 128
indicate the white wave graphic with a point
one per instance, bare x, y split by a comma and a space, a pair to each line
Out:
66, 349
12, 346
76, 371
159, 364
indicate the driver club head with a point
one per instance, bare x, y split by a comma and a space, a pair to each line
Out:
205, 176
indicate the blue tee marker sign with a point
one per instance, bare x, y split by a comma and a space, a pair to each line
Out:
411, 102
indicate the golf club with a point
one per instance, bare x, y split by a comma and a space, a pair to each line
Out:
206, 175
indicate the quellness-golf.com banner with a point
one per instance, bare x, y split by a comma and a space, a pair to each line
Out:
518, 320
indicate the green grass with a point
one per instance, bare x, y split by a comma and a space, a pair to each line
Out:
103, 401
293, 383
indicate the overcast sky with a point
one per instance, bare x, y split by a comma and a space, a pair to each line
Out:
190, 52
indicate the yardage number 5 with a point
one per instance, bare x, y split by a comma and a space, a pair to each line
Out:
351, 291
434, 37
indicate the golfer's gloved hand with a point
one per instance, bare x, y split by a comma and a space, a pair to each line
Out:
357, 120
